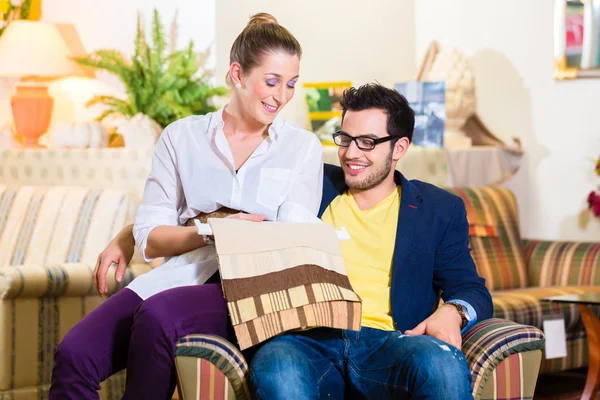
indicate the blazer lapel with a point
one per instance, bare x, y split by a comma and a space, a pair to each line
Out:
410, 213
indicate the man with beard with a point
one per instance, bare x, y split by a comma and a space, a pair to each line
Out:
409, 242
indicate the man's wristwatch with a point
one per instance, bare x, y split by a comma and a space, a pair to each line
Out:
462, 312
207, 239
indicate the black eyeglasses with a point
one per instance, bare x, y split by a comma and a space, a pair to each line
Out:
362, 142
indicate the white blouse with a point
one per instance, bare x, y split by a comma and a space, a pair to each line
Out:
193, 171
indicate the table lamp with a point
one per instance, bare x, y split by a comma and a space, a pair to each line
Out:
35, 52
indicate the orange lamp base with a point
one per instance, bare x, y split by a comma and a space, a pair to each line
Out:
32, 109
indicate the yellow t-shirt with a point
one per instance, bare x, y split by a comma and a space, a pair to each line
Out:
368, 255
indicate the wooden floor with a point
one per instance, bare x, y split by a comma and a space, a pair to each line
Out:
561, 386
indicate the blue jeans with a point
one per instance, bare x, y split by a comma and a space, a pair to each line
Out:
371, 364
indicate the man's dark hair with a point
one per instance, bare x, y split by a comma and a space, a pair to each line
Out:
401, 118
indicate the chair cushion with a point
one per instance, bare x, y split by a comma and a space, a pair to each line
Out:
279, 276
494, 236
524, 306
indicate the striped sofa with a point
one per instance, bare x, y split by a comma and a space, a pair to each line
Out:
504, 353
50, 238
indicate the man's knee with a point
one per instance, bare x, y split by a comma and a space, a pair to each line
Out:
280, 370
442, 365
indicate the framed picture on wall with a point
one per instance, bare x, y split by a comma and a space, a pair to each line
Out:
324, 109
428, 101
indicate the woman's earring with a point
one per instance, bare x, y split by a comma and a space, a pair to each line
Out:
238, 85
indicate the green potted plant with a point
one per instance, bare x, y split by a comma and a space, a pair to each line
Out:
11, 10
162, 84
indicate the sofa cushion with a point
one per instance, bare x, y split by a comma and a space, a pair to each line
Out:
524, 306
494, 236
48, 225
562, 263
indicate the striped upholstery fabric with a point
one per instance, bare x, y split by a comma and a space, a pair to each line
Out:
514, 378
577, 354
209, 382
499, 258
287, 276
47, 225
524, 306
563, 263
50, 238
490, 342
194, 355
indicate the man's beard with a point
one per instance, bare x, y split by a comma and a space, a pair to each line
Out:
375, 178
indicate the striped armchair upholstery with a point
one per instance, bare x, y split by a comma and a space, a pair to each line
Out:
50, 238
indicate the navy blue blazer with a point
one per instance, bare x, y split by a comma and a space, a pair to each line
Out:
432, 251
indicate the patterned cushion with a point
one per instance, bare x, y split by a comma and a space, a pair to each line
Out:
481, 220
499, 258
489, 342
563, 263
280, 276
524, 306
48, 225
219, 352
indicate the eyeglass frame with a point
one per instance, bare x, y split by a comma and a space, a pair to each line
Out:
355, 139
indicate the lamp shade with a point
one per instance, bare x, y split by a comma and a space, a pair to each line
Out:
35, 49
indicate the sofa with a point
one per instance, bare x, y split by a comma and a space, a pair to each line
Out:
50, 238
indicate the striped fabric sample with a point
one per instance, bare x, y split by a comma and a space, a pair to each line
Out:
282, 276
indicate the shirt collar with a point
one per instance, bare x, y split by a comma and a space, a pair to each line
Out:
274, 131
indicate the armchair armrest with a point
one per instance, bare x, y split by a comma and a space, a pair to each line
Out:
488, 343
62, 280
562, 263
220, 353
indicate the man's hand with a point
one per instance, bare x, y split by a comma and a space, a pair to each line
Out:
119, 251
443, 324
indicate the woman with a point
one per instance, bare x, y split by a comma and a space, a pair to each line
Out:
243, 157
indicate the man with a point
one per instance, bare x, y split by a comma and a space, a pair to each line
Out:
409, 242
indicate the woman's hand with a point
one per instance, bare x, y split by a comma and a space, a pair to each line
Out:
247, 217
119, 251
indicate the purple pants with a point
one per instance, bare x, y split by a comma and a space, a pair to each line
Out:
126, 332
